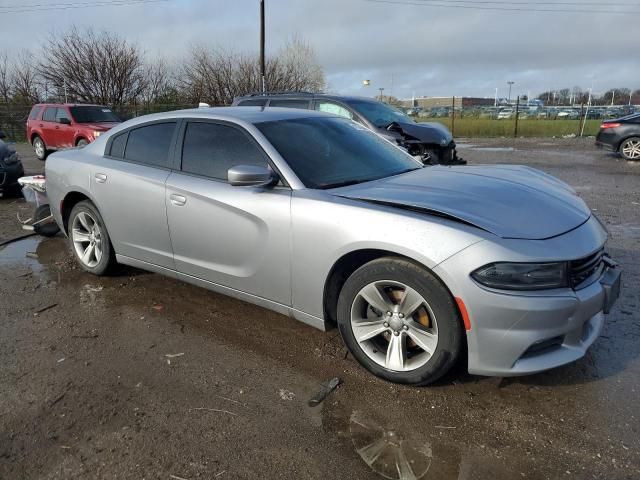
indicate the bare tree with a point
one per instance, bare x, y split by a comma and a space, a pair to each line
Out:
216, 76
24, 79
94, 67
158, 82
5, 78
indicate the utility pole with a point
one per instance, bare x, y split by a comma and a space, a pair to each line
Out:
510, 84
495, 101
262, 68
613, 95
64, 82
381, 97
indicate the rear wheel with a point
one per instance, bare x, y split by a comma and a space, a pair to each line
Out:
630, 148
399, 321
39, 148
89, 239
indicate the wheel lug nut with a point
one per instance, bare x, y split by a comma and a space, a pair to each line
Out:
389, 314
405, 327
386, 324
401, 315
396, 333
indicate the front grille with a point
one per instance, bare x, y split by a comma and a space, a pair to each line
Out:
582, 269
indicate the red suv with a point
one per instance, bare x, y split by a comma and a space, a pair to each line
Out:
55, 126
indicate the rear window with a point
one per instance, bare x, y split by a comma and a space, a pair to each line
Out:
49, 114
34, 112
150, 144
93, 114
252, 103
290, 103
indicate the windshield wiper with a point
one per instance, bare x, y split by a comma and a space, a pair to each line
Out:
341, 184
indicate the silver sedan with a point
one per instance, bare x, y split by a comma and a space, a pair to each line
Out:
318, 218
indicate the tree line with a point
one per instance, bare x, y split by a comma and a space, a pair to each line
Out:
100, 67
578, 96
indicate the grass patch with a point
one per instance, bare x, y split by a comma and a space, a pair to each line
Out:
487, 127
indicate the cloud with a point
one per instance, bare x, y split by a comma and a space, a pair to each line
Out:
404, 48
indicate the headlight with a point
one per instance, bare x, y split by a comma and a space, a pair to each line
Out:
522, 276
96, 134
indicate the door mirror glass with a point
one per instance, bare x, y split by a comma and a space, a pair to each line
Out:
64, 121
250, 176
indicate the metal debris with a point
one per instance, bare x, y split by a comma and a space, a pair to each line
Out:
325, 389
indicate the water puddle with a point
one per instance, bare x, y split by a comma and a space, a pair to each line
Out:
399, 449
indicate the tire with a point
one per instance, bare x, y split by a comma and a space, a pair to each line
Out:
39, 148
440, 331
630, 148
49, 229
82, 142
89, 239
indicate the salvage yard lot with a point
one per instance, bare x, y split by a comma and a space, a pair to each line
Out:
140, 376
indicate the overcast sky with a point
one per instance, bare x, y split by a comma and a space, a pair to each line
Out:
407, 49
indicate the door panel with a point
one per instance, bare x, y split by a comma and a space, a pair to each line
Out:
48, 126
64, 133
131, 199
238, 237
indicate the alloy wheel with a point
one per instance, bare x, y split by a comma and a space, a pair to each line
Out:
38, 146
87, 239
631, 149
394, 325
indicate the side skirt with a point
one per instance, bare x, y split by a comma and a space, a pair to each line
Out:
311, 320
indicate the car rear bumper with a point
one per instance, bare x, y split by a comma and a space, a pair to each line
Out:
607, 141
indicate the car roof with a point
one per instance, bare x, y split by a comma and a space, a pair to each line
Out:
234, 114
68, 105
303, 95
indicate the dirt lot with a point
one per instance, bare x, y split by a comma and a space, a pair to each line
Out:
139, 376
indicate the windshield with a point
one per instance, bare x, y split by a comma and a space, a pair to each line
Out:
333, 152
93, 114
378, 113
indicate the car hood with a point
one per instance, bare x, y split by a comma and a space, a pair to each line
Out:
101, 127
508, 201
427, 132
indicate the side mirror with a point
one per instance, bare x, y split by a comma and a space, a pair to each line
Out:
251, 176
65, 121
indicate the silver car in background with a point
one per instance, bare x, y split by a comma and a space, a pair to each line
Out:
318, 218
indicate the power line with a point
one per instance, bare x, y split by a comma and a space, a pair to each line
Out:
502, 9
74, 5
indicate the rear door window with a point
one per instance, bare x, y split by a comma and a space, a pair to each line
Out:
117, 145
210, 149
290, 103
49, 114
150, 144
333, 108
34, 112
253, 103
62, 113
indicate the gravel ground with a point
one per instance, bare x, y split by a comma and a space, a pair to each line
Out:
140, 376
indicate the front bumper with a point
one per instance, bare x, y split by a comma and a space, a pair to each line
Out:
517, 333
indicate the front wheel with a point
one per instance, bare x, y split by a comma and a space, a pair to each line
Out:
82, 143
89, 239
630, 148
40, 148
399, 321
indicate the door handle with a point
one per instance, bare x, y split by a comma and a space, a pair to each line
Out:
177, 200
100, 177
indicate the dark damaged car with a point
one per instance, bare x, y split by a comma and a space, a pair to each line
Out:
10, 168
431, 142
